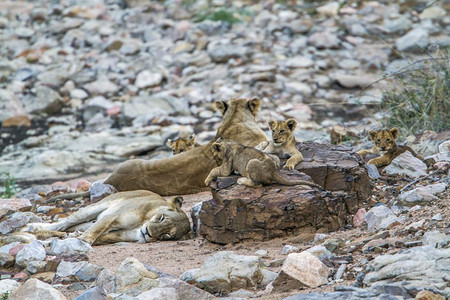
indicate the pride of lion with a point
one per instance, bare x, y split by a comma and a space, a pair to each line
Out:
138, 213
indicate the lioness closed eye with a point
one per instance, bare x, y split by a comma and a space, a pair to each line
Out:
283, 142
255, 166
384, 141
183, 144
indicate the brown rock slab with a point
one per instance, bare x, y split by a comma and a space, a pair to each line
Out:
15, 204
238, 213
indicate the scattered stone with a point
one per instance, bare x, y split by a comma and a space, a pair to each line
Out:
324, 39
373, 171
18, 220
100, 190
34, 251
89, 272
437, 217
301, 270
8, 286
36, 289
224, 272
287, 249
105, 279
69, 247
436, 239
321, 252
380, 217
132, 277
414, 41
147, 79
422, 195
68, 269
34, 267
359, 218
95, 293
6, 260
340, 271
406, 165
261, 253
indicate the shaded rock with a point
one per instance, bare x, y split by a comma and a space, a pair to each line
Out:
101, 190
373, 171
406, 165
8, 285
300, 270
380, 217
95, 293
416, 268
268, 277
429, 142
46, 101
69, 247
224, 272
88, 272
436, 239
96, 105
105, 279
157, 293
287, 249
10, 106
17, 220
67, 268
36, 289
414, 41
132, 277
6, 260
31, 252
34, 267
195, 211
422, 195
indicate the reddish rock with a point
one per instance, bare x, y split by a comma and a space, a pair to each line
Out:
16, 121
20, 276
358, 219
83, 185
15, 204
13, 251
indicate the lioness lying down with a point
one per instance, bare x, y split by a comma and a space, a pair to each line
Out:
135, 216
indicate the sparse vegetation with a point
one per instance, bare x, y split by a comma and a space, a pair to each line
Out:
9, 186
5, 296
420, 99
222, 14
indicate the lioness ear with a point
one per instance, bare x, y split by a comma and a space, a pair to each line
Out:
291, 124
372, 134
254, 106
272, 124
221, 106
170, 142
177, 201
394, 131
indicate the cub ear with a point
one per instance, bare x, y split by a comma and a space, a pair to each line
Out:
272, 124
169, 142
372, 134
177, 202
217, 147
291, 124
221, 106
394, 131
254, 106
191, 138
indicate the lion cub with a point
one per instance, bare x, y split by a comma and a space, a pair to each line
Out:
183, 144
283, 142
384, 141
256, 167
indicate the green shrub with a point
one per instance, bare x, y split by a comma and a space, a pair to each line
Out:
420, 98
9, 186
222, 14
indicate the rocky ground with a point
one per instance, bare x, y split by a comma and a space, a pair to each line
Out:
87, 84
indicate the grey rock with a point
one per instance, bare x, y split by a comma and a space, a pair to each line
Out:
98, 104
422, 195
88, 272
436, 239
406, 164
5, 249
18, 220
95, 293
224, 272
321, 252
6, 260
102, 86
105, 279
10, 105
340, 271
148, 78
46, 101
69, 247
380, 217
67, 268
268, 277
34, 251
399, 25
133, 278
79, 94
372, 170
437, 217
36, 289
414, 41
161, 102
36, 266
8, 285
324, 39
100, 190
195, 210
417, 268
287, 249
261, 253
223, 52
157, 293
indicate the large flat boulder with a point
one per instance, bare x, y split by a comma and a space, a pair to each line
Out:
238, 213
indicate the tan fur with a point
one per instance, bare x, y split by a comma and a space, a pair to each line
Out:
427, 295
185, 173
183, 144
137, 216
384, 140
256, 167
283, 142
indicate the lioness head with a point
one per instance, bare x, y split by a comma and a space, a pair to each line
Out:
384, 139
282, 131
231, 108
169, 223
182, 144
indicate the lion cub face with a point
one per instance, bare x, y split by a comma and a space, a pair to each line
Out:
282, 131
182, 144
384, 139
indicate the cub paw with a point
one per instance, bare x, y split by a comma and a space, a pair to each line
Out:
208, 180
261, 146
289, 167
378, 163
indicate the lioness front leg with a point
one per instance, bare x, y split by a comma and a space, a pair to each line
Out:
293, 161
223, 170
98, 228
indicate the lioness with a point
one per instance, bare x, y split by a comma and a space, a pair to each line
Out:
183, 144
384, 141
135, 216
256, 167
283, 142
185, 173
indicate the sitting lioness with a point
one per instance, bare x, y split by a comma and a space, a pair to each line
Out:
186, 172
256, 167
283, 142
183, 144
136, 216
385, 144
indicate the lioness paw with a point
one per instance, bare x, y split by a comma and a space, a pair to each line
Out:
33, 227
